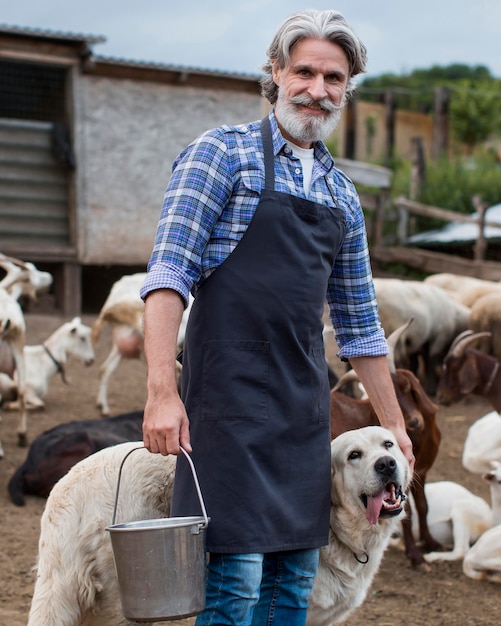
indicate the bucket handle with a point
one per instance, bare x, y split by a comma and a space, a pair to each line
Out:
195, 479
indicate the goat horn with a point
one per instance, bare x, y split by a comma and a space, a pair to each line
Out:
11, 259
349, 376
392, 341
464, 340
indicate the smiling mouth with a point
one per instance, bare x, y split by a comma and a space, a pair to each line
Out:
387, 503
315, 108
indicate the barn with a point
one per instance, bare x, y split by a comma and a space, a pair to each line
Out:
86, 149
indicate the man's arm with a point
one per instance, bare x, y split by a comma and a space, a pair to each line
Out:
374, 374
165, 423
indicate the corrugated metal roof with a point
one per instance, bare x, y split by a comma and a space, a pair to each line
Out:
92, 39
452, 233
50, 34
176, 68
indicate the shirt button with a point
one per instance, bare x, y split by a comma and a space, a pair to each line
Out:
287, 150
297, 170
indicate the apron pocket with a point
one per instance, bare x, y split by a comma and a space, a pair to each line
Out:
235, 380
322, 413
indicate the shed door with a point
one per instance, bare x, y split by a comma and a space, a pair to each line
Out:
35, 158
33, 187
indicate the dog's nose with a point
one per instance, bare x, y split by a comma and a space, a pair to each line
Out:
385, 466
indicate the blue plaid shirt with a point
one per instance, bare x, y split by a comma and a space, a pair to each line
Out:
210, 200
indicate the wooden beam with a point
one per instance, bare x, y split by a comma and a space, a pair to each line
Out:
436, 262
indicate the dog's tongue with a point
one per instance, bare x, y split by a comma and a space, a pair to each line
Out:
374, 504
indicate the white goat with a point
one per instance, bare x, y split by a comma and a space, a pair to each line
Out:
76, 582
483, 559
23, 278
12, 340
456, 519
438, 319
123, 311
20, 279
43, 361
482, 445
463, 289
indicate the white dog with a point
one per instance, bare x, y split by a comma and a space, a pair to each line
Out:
369, 477
77, 584
76, 581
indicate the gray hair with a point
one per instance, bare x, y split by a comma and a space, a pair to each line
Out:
312, 24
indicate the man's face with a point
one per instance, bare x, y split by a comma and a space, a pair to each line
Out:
311, 91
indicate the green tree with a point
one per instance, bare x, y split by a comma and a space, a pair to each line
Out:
474, 111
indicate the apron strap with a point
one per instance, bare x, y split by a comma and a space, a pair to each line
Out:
269, 157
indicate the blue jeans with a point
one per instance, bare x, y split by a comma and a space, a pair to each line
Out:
259, 589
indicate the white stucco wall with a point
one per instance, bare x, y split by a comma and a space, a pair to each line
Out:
127, 136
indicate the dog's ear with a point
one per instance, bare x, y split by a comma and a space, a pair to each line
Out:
335, 486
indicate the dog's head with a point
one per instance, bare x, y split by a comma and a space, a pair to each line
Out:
369, 472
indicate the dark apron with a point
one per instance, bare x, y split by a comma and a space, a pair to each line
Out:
255, 382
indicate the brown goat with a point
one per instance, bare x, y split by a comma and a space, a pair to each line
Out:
466, 371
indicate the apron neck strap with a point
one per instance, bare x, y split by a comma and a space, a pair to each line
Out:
269, 157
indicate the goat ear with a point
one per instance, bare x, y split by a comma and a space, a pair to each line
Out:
425, 401
489, 476
468, 375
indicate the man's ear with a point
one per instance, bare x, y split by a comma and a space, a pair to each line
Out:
276, 72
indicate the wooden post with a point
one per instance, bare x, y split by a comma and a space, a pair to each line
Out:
481, 243
68, 289
351, 125
403, 226
390, 107
440, 122
418, 167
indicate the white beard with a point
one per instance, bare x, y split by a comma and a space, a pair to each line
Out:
306, 128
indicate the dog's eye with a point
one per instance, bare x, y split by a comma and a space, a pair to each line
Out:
354, 454
388, 444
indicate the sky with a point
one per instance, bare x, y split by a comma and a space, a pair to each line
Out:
233, 35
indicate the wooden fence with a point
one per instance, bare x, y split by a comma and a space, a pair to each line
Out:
433, 262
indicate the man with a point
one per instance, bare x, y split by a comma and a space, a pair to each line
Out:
261, 227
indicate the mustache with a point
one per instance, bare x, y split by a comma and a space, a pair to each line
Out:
325, 103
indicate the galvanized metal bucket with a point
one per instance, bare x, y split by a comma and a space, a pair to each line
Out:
160, 563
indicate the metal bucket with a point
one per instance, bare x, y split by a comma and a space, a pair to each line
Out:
160, 563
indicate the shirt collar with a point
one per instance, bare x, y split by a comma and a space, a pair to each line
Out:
321, 153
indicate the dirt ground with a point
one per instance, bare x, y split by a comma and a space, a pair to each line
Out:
400, 594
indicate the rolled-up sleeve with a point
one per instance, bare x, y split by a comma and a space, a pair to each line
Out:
198, 190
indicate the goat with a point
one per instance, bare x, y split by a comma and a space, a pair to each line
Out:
485, 316
20, 279
456, 519
421, 424
123, 311
12, 340
463, 289
437, 320
55, 451
483, 559
76, 579
23, 278
45, 360
482, 445
466, 371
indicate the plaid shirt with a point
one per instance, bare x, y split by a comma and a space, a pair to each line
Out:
211, 198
